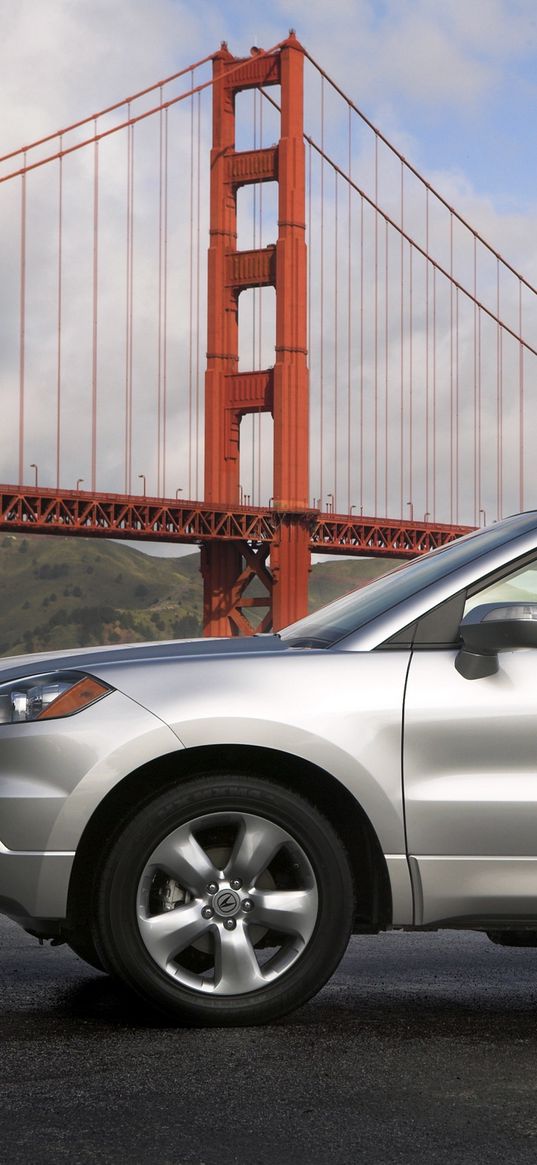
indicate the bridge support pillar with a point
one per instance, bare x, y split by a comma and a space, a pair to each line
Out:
282, 390
290, 566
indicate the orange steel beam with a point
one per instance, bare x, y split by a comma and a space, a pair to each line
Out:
281, 390
255, 530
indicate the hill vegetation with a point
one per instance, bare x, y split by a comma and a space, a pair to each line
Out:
58, 592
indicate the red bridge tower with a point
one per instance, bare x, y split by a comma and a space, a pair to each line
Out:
229, 568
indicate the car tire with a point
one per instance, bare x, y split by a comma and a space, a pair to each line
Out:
225, 901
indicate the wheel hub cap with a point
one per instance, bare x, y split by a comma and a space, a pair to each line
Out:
226, 903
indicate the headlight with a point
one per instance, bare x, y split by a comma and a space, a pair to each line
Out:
49, 697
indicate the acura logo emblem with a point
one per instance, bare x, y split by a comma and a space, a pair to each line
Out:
226, 903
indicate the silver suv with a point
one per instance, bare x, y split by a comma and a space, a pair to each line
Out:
209, 820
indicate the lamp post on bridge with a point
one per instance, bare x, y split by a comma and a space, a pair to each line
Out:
79, 481
36, 467
142, 475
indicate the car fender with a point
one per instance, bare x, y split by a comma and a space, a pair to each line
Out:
339, 711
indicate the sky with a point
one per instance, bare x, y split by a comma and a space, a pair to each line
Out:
453, 84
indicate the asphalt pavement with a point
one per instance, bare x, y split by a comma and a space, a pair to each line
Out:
422, 1049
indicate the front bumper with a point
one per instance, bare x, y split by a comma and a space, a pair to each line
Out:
54, 774
34, 888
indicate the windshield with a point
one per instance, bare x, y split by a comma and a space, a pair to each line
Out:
354, 610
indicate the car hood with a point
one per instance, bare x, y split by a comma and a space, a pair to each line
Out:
85, 658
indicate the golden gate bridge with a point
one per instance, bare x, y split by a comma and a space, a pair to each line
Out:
348, 374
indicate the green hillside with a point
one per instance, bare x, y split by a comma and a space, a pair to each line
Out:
71, 592
68, 592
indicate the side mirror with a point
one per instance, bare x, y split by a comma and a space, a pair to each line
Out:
490, 628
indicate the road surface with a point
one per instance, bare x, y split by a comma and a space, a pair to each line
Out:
422, 1048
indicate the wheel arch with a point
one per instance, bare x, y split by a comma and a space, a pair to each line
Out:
373, 901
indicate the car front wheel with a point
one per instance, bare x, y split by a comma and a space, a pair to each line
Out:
227, 900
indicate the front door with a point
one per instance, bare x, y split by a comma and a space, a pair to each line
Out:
470, 778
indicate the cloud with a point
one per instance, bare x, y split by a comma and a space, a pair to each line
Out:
417, 50
76, 57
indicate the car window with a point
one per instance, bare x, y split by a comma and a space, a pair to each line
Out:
519, 584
